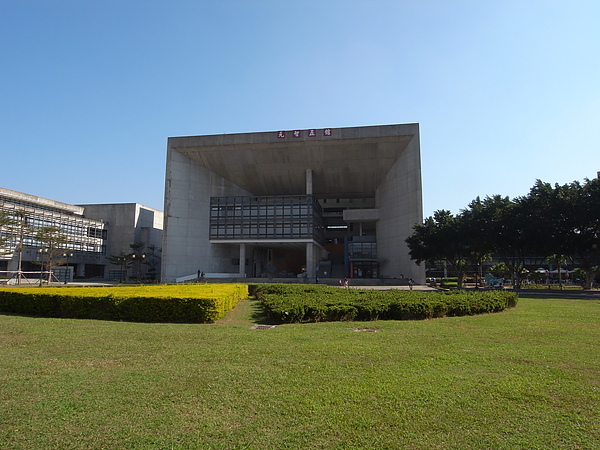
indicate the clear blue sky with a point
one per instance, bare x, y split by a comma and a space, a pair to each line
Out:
505, 92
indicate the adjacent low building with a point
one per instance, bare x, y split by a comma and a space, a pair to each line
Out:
92, 234
127, 224
331, 203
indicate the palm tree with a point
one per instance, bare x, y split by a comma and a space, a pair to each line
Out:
559, 261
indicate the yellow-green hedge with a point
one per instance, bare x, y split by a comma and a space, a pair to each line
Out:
194, 303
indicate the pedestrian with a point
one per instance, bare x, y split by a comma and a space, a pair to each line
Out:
410, 283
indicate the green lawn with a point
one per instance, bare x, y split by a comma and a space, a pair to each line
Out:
528, 377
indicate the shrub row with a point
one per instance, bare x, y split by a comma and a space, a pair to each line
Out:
183, 304
300, 303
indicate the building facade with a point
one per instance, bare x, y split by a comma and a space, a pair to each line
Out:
127, 224
22, 255
328, 203
90, 235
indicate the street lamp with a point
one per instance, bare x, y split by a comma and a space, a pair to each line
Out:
139, 264
122, 264
42, 252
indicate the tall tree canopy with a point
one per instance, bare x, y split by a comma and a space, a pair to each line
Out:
550, 220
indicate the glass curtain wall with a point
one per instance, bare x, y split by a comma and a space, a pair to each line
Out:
83, 235
266, 217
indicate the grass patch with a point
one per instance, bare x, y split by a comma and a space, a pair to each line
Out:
553, 286
523, 378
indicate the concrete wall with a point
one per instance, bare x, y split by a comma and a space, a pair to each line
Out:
399, 200
186, 246
128, 223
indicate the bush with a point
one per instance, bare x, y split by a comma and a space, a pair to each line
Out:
297, 303
174, 303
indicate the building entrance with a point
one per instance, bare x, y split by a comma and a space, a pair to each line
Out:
364, 269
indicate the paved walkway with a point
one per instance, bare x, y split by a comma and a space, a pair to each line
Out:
416, 287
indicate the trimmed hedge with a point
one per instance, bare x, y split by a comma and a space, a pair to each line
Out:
166, 303
315, 303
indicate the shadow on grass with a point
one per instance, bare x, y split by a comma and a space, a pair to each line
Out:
248, 312
258, 315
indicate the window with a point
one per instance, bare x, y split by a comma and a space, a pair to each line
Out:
269, 217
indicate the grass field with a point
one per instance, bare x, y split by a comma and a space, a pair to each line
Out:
528, 377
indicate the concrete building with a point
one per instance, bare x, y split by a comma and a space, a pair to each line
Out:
23, 254
93, 233
297, 203
131, 223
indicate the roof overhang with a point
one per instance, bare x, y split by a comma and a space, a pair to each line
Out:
344, 161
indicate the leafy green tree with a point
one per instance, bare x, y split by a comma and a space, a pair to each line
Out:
547, 217
582, 228
550, 220
580, 275
441, 238
569, 221
500, 270
497, 223
476, 226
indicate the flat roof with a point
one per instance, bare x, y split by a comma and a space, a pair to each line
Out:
344, 161
34, 200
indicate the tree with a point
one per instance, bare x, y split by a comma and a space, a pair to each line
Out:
138, 257
476, 226
559, 261
152, 260
569, 221
6, 223
500, 270
124, 261
582, 227
560, 220
441, 238
495, 224
52, 246
15, 226
579, 275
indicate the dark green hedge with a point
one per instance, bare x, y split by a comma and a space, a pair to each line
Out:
110, 307
301, 303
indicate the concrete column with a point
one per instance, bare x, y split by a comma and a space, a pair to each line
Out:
309, 182
310, 260
242, 260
